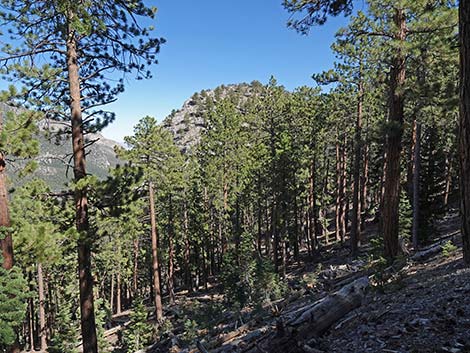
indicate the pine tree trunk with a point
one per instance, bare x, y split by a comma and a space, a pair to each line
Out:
448, 180
259, 224
344, 203
364, 186
111, 296
42, 309
464, 133
324, 207
118, 292
187, 250
311, 205
88, 325
296, 230
135, 283
416, 171
393, 147
356, 211
267, 239
275, 237
6, 244
31, 323
155, 262
338, 207
171, 254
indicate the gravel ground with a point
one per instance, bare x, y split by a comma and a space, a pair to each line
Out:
426, 310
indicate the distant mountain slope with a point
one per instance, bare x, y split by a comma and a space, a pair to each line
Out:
186, 124
54, 156
189, 121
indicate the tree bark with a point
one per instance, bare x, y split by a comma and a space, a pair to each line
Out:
187, 250
88, 325
155, 262
315, 319
338, 207
311, 206
118, 292
356, 211
6, 241
464, 133
42, 310
31, 323
171, 254
111, 296
135, 283
448, 179
344, 204
393, 147
416, 171
364, 186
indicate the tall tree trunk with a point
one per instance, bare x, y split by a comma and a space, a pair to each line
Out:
338, 208
6, 244
88, 325
311, 205
356, 211
135, 283
344, 203
111, 296
464, 133
31, 323
364, 186
324, 207
296, 235
118, 292
395, 132
187, 249
259, 224
448, 179
171, 254
275, 237
42, 310
155, 262
416, 171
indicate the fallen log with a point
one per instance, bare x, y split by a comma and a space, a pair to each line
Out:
320, 317
427, 253
317, 319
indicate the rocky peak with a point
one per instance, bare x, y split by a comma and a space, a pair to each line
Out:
188, 122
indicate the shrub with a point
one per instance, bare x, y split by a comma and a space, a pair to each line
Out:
139, 332
249, 279
448, 248
13, 295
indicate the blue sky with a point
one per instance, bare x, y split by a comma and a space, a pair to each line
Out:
214, 42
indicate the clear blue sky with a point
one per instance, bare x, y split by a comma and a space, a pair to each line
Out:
213, 42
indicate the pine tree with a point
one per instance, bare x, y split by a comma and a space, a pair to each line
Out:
98, 38
152, 149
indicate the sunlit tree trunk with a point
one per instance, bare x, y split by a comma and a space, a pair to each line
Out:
42, 309
155, 261
81, 201
396, 116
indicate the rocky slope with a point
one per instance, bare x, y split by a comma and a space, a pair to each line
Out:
188, 123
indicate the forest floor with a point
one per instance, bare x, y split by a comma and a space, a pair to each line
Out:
415, 305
